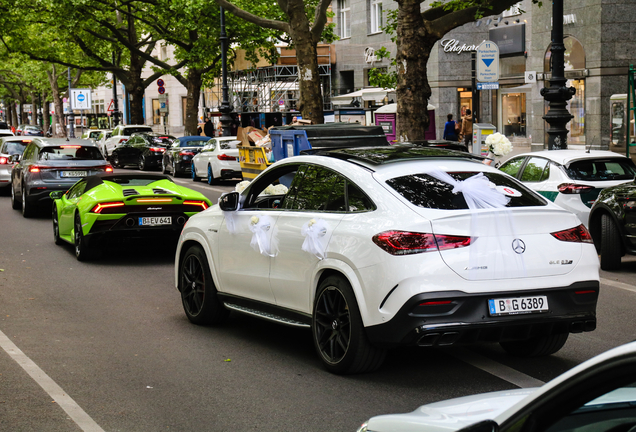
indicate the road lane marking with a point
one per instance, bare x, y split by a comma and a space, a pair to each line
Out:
497, 369
617, 284
75, 412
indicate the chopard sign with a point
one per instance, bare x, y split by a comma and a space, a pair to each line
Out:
454, 46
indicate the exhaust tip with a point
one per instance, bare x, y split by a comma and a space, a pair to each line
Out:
181, 220
130, 222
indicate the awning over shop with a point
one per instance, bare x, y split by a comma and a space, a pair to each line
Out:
392, 108
369, 94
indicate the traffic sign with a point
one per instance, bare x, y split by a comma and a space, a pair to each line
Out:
160, 82
488, 62
111, 106
488, 86
81, 99
162, 90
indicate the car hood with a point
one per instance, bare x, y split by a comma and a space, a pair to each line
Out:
450, 415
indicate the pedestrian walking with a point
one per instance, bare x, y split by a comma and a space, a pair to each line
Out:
467, 129
450, 133
208, 128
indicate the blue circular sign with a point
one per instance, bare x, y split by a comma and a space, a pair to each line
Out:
81, 97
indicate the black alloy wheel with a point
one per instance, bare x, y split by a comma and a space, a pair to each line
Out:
198, 293
338, 332
142, 163
56, 227
116, 162
27, 209
164, 168
611, 248
535, 347
82, 252
175, 173
15, 204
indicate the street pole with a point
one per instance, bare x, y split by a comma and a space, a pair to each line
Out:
71, 119
115, 100
225, 108
475, 93
557, 94
40, 112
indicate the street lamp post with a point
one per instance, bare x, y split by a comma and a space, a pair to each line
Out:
71, 119
225, 108
557, 94
115, 100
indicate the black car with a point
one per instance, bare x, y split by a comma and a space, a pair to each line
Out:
49, 165
32, 130
144, 150
612, 224
178, 158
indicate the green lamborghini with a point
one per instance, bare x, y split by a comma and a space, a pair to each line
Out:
118, 207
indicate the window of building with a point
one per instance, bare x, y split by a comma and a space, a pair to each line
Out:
513, 114
156, 117
376, 16
344, 9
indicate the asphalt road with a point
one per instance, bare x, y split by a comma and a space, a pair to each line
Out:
105, 346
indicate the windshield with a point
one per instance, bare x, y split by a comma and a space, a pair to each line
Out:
15, 147
130, 131
602, 169
425, 191
70, 152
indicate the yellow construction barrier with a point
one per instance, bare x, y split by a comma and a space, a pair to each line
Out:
253, 161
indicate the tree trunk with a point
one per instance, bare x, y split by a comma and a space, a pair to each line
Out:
192, 102
135, 88
12, 118
413, 51
311, 104
46, 115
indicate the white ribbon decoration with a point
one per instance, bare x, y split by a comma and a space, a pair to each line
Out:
476, 190
264, 240
315, 233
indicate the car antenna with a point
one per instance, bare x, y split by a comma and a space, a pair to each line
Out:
590, 146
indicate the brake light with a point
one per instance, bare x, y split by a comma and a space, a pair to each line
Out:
70, 146
157, 149
203, 204
3, 160
406, 243
573, 188
34, 169
109, 168
101, 206
578, 234
225, 157
186, 153
26, 141
154, 200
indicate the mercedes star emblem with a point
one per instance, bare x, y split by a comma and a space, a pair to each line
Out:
518, 246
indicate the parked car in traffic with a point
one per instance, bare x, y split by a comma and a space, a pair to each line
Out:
571, 179
374, 248
52, 164
613, 224
120, 135
218, 159
143, 150
10, 147
177, 159
105, 207
597, 395
32, 130
94, 135
5, 130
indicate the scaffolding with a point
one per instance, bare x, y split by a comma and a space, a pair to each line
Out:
272, 88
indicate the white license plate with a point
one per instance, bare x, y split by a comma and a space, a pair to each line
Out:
74, 173
154, 221
517, 305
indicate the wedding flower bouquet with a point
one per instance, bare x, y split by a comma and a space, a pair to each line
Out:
498, 144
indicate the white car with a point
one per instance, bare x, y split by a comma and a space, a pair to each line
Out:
571, 179
373, 248
120, 135
95, 134
10, 148
597, 395
218, 159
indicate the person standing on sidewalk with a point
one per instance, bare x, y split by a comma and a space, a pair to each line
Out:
449, 129
467, 129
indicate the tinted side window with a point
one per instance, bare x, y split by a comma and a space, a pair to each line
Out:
358, 201
533, 172
512, 166
316, 188
76, 190
290, 198
602, 170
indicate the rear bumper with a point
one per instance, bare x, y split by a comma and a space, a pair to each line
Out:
126, 228
466, 318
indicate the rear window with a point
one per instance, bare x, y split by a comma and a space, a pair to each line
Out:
227, 145
14, 147
600, 170
70, 152
425, 191
193, 143
130, 131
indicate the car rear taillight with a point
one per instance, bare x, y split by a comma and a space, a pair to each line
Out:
406, 243
573, 188
578, 234
109, 168
154, 200
71, 146
201, 204
157, 149
186, 153
122, 140
4, 160
101, 206
34, 169
225, 157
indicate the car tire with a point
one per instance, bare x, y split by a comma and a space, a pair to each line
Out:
194, 174
537, 346
175, 172
164, 170
82, 251
56, 226
198, 293
211, 178
115, 161
610, 244
15, 204
142, 163
27, 209
338, 334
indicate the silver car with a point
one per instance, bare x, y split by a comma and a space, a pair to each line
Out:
10, 146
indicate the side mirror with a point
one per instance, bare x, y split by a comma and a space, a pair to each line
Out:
57, 194
15, 158
229, 201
